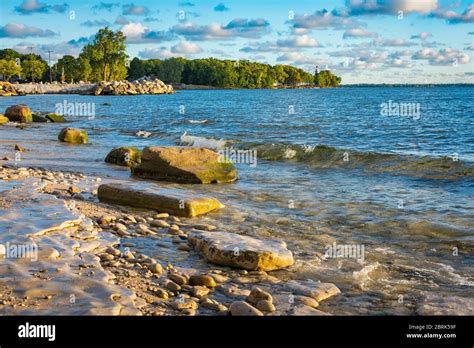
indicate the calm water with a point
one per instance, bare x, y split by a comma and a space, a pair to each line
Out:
381, 182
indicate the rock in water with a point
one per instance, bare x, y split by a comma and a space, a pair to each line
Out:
73, 136
55, 118
148, 199
230, 249
19, 113
184, 165
3, 119
124, 156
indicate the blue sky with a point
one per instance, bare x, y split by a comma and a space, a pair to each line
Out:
364, 41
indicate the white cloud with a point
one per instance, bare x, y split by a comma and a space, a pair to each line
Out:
445, 56
357, 32
186, 47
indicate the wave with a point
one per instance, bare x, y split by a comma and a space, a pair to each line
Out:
323, 156
208, 143
197, 121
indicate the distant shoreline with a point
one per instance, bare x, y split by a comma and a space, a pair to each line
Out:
88, 88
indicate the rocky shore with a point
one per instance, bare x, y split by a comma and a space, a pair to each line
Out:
100, 245
114, 248
142, 86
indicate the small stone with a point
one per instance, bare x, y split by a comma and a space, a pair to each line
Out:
265, 306
184, 247
219, 278
257, 295
199, 291
161, 216
113, 251
155, 268
240, 308
106, 219
174, 228
159, 223
181, 304
161, 293
19, 148
120, 227
172, 286
72, 190
203, 280
178, 278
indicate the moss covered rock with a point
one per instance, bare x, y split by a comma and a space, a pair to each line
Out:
3, 119
73, 136
124, 156
19, 113
55, 118
37, 117
184, 165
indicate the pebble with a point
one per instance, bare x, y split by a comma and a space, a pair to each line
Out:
161, 216
240, 308
106, 219
199, 291
178, 278
159, 223
155, 268
171, 285
161, 293
113, 251
184, 247
72, 190
219, 278
257, 295
265, 306
204, 280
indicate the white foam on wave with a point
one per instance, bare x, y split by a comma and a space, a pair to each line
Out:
143, 134
208, 143
197, 121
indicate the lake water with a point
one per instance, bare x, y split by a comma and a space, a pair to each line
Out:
397, 188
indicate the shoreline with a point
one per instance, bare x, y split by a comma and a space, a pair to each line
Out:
146, 289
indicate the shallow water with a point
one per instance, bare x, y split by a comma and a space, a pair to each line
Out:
413, 215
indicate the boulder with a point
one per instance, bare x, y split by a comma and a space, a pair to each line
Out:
3, 119
124, 156
38, 117
230, 249
73, 136
7, 89
55, 118
150, 199
184, 165
19, 113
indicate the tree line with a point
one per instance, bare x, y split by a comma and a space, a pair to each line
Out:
104, 59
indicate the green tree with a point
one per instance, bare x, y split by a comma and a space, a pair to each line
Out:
71, 66
326, 78
9, 68
34, 69
105, 56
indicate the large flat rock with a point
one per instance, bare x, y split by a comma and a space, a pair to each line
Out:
155, 200
184, 165
230, 249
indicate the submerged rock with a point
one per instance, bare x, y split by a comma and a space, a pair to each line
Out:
55, 118
446, 305
19, 113
230, 249
184, 165
147, 199
124, 156
73, 136
39, 118
315, 290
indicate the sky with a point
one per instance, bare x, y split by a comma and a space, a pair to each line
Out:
364, 41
